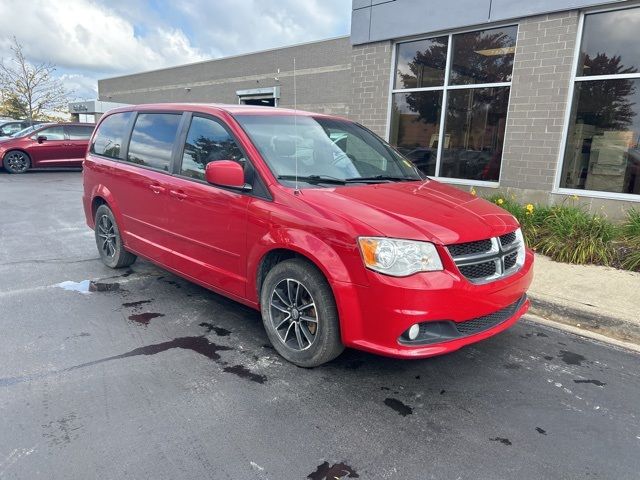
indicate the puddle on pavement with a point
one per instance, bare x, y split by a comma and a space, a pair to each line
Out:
135, 304
88, 286
598, 383
144, 318
504, 441
398, 406
571, 358
244, 372
221, 332
331, 472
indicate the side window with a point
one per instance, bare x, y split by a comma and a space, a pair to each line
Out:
52, 133
10, 129
152, 139
108, 139
207, 141
79, 132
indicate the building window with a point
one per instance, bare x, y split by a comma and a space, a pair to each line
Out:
449, 102
602, 151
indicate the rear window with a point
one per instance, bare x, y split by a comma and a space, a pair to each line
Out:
152, 139
109, 137
79, 132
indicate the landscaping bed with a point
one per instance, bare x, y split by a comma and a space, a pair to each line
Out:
567, 232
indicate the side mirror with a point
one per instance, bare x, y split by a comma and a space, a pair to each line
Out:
41, 138
226, 173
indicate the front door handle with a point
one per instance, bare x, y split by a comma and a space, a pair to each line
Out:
179, 194
156, 188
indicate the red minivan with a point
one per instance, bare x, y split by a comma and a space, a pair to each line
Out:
46, 145
312, 219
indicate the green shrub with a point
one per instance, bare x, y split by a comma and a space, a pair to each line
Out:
570, 234
631, 239
631, 227
530, 216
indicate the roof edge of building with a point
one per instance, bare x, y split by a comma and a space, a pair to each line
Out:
227, 57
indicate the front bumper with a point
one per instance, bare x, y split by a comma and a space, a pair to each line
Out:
374, 317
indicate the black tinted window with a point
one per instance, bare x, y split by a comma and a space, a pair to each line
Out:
79, 132
10, 129
52, 133
152, 139
207, 141
110, 134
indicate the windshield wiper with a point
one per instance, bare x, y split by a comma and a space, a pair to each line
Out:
314, 179
380, 178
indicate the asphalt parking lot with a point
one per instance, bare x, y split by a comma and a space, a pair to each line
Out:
137, 374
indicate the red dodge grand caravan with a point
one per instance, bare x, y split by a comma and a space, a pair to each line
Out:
312, 219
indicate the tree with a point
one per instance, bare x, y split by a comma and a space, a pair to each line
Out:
29, 90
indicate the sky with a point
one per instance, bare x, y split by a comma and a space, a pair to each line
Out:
92, 39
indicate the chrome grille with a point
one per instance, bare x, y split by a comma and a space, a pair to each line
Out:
490, 259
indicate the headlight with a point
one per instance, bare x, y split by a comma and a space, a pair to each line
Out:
399, 258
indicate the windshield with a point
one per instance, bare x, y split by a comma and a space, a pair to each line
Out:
326, 150
25, 131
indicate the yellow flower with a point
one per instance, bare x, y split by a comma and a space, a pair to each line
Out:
500, 201
473, 191
529, 208
574, 197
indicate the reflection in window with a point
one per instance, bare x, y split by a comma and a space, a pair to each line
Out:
474, 133
52, 133
207, 141
610, 44
152, 139
415, 127
108, 138
485, 56
475, 115
421, 63
602, 150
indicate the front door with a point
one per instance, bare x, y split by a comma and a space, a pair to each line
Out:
51, 150
208, 223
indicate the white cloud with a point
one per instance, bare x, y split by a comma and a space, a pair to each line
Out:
84, 35
92, 39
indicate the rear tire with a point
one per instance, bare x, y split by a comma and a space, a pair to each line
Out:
16, 161
109, 240
299, 313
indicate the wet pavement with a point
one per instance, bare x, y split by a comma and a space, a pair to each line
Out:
137, 373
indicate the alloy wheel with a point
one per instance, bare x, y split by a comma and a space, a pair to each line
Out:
107, 234
293, 314
17, 162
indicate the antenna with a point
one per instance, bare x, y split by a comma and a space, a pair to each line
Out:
295, 120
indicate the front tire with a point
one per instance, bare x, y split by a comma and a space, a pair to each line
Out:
16, 161
109, 240
299, 314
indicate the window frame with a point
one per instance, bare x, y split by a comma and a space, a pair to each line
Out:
445, 88
574, 79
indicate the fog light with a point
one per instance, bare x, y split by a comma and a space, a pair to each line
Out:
414, 331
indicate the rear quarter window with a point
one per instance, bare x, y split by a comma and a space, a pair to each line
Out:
110, 135
152, 139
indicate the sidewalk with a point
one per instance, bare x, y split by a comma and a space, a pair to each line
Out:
603, 300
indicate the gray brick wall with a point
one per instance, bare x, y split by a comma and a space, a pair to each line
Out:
539, 93
370, 71
323, 78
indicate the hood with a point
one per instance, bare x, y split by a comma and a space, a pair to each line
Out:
426, 210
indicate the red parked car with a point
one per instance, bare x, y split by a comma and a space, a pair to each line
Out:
335, 237
46, 145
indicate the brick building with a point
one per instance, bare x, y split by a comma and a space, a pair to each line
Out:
537, 98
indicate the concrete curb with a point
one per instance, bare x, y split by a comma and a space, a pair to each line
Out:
601, 324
